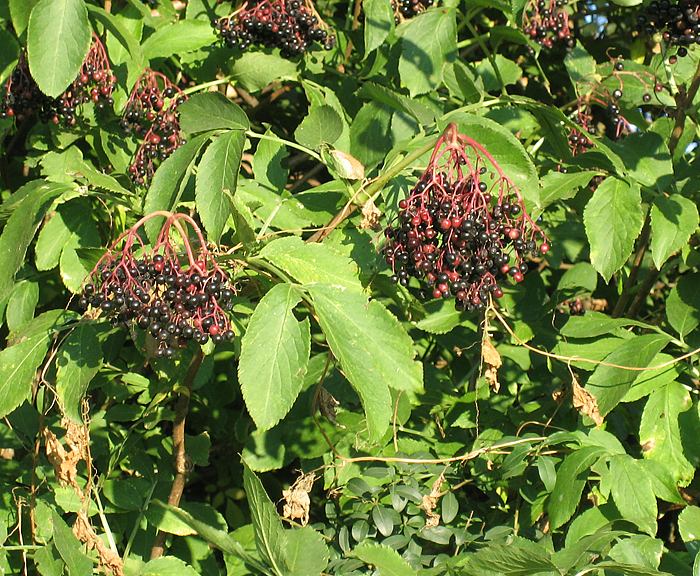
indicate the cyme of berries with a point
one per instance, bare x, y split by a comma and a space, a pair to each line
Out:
463, 229
678, 22
95, 82
151, 115
174, 290
404, 9
293, 26
547, 23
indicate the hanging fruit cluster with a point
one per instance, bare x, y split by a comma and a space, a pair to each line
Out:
94, 83
293, 26
404, 9
174, 290
151, 115
463, 228
678, 22
547, 23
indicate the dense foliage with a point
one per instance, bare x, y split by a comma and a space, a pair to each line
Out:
377, 287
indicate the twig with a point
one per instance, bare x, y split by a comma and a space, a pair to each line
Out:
180, 458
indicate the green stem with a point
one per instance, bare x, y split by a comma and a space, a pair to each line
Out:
207, 85
273, 138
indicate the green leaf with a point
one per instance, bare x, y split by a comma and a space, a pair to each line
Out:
22, 303
510, 72
659, 431
274, 356
322, 125
683, 304
58, 39
312, 263
305, 551
19, 12
560, 186
638, 550
19, 362
21, 227
370, 133
386, 560
269, 534
427, 41
379, 22
613, 218
167, 566
441, 317
646, 157
170, 180
609, 385
689, 524
374, 351
78, 361
382, 95
517, 559
163, 517
69, 548
268, 163
673, 220
571, 479
595, 324
632, 491
256, 70
178, 38
211, 111
581, 67
217, 176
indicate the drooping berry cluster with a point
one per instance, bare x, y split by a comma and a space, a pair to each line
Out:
95, 82
151, 115
293, 26
175, 298
404, 9
678, 22
547, 23
463, 228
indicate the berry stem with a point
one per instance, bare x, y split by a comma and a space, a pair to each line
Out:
180, 459
273, 138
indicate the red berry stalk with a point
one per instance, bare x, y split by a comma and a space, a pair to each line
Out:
463, 228
176, 291
151, 114
293, 26
95, 82
547, 23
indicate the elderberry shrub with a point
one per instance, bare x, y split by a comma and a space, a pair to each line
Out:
678, 22
95, 82
547, 23
293, 26
151, 115
463, 228
155, 292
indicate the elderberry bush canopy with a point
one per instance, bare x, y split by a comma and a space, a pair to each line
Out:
463, 229
95, 82
678, 22
293, 26
149, 287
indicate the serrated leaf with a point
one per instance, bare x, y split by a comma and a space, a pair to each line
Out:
211, 111
22, 303
58, 39
78, 360
441, 317
594, 324
379, 22
632, 492
274, 356
19, 12
167, 566
519, 558
386, 560
581, 67
269, 534
689, 524
305, 551
427, 41
638, 550
609, 385
322, 125
562, 186
374, 350
217, 176
683, 304
613, 218
312, 263
256, 70
268, 163
673, 220
69, 548
178, 38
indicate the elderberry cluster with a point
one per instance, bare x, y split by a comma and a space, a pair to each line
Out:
151, 115
462, 229
156, 294
95, 82
290, 25
404, 9
678, 22
547, 23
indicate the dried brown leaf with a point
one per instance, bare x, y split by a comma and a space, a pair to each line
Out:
370, 216
430, 502
585, 402
491, 359
296, 499
108, 559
